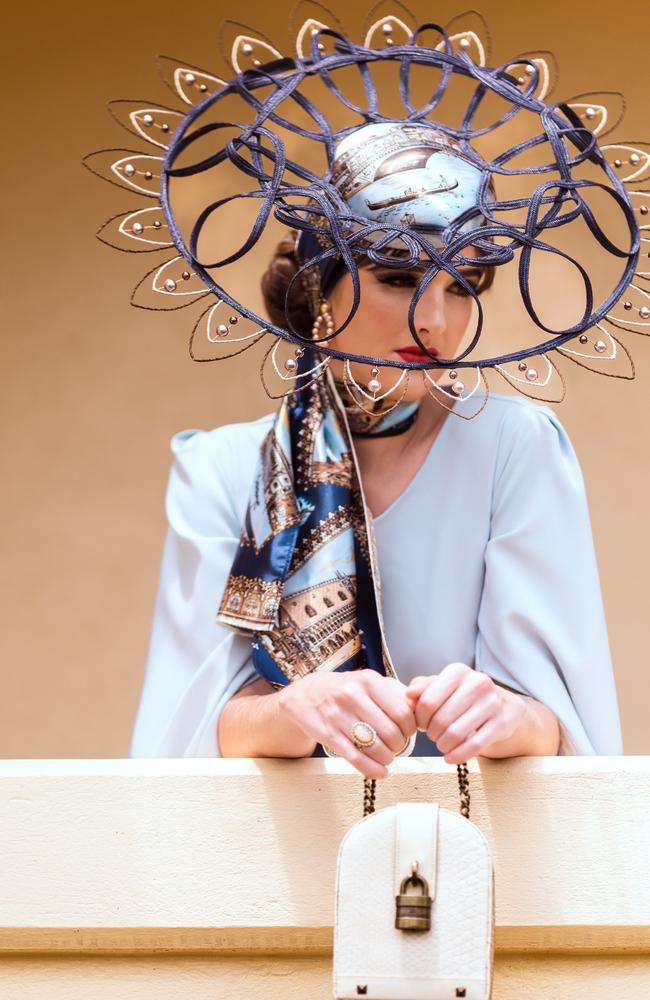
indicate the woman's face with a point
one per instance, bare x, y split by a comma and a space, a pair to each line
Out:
380, 327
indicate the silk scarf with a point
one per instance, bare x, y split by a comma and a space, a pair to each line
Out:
304, 583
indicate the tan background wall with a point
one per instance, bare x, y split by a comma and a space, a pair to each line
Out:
92, 390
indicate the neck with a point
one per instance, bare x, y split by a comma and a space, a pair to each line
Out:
370, 420
378, 453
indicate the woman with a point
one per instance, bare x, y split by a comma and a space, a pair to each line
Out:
491, 598
477, 530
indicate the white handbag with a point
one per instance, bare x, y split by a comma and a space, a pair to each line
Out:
414, 908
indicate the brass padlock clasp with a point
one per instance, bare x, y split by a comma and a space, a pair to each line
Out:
413, 903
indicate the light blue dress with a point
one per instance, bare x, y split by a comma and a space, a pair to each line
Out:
486, 558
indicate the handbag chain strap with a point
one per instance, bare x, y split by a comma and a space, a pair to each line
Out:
370, 791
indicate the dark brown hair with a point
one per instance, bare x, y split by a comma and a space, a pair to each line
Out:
281, 269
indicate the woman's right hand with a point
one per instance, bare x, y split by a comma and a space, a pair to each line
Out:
325, 706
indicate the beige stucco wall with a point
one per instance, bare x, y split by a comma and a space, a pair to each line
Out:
92, 389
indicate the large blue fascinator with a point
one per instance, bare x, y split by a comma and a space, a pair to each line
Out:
405, 150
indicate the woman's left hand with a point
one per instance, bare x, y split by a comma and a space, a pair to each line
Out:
464, 711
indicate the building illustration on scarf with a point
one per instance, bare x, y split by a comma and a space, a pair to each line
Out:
317, 628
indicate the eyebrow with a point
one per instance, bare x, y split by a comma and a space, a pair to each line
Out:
467, 270
471, 271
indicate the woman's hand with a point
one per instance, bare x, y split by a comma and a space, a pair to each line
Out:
326, 706
466, 713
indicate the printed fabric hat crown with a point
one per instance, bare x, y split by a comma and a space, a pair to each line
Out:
523, 180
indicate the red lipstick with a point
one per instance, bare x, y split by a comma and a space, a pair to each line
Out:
412, 354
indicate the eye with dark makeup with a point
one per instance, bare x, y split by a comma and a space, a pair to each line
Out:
455, 288
397, 279
473, 277
409, 279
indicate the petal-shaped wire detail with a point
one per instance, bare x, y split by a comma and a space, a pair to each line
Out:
290, 365
467, 42
287, 371
249, 52
465, 395
603, 354
305, 34
600, 346
471, 23
142, 231
460, 388
152, 122
594, 116
629, 161
317, 13
358, 395
172, 285
632, 311
523, 70
601, 112
134, 171
372, 395
535, 377
220, 330
188, 82
391, 11
539, 373
389, 30
219, 325
244, 47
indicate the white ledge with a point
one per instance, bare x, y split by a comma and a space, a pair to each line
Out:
232, 856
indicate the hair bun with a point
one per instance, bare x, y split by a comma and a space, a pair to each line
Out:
275, 283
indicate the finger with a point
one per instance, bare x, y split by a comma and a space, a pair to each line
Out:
413, 693
418, 683
368, 767
431, 698
389, 739
379, 751
441, 686
463, 727
387, 709
475, 690
412, 702
474, 745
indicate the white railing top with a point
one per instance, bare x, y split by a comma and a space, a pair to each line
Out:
231, 854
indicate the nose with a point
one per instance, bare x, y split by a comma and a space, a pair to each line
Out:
429, 318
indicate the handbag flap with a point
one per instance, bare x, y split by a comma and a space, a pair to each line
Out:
416, 840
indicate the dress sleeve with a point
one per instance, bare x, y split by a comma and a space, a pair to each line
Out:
194, 665
541, 626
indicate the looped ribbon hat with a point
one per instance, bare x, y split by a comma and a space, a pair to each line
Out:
403, 149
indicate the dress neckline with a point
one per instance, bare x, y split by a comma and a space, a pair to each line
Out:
410, 486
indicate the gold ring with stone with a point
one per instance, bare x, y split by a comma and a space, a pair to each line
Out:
363, 735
